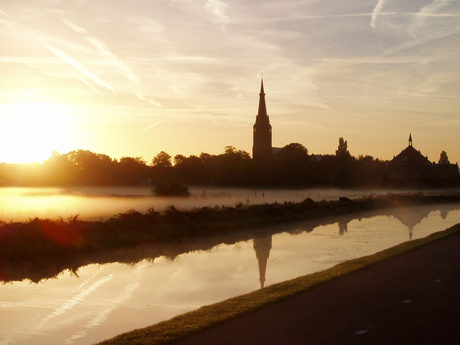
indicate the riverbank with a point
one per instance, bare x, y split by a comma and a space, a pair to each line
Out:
45, 239
396, 272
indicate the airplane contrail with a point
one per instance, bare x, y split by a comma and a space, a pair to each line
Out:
153, 125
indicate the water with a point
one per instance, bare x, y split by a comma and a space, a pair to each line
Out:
98, 296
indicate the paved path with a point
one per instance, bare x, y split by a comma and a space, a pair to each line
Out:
413, 298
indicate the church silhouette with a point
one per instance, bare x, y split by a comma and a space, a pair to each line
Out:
262, 133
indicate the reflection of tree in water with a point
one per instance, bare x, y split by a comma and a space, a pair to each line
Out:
262, 246
47, 268
444, 214
343, 227
445, 209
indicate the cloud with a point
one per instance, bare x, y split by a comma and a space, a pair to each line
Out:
136, 86
217, 9
376, 12
144, 98
155, 124
77, 65
420, 18
381, 60
419, 41
74, 27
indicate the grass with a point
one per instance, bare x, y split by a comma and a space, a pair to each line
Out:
40, 239
208, 316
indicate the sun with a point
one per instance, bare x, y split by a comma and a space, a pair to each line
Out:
30, 131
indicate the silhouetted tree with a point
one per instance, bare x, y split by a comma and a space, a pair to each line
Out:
293, 165
133, 171
59, 170
93, 168
233, 167
369, 172
344, 164
161, 167
190, 170
162, 160
170, 188
342, 150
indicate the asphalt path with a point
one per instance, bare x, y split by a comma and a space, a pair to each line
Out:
413, 298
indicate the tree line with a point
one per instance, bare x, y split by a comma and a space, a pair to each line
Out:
291, 166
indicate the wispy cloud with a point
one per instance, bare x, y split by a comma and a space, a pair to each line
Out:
154, 124
316, 55
382, 60
376, 12
217, 9
429, 10
77, 65
74, 27
126, 70
424, 40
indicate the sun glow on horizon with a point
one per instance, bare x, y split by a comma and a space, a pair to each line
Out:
30, 131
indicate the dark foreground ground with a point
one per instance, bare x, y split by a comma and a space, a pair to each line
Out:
413, 298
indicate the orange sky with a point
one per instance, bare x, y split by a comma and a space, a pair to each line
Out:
135, 78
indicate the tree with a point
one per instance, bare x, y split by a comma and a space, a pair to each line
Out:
344, 165
342, 150
232, 167
93, 168
59, 170
443, 159
293, 165
132, 171
170, 188
161, 167
162, 160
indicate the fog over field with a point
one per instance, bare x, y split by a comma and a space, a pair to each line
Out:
94, 203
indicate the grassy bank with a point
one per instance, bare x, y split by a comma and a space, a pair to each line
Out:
44, 239
208, 316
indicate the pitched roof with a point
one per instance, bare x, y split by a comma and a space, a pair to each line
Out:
410, 156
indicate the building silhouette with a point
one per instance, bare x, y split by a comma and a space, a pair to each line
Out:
410, 167
262, 134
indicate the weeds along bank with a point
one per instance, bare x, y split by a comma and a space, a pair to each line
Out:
45, 238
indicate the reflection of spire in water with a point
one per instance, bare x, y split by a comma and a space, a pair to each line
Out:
262, 246
343, 227
411, 216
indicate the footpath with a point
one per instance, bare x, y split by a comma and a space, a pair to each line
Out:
413, 298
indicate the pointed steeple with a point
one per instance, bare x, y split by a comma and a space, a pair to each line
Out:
410, 139
262, 134
262, 113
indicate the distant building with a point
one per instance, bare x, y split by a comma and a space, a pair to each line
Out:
262, 133
410, 167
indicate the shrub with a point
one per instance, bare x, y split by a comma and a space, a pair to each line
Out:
171, 188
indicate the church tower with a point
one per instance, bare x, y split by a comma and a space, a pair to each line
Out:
262, 140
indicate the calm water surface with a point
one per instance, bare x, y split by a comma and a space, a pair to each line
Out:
101, 300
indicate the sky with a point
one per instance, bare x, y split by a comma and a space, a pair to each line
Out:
133, 78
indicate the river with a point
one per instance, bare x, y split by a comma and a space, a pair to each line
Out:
93, 298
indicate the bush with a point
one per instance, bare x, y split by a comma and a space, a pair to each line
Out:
171, 188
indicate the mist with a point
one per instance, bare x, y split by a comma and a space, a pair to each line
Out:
93, 203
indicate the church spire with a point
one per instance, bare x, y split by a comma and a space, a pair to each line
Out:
262, 116
262, 141
410, 139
